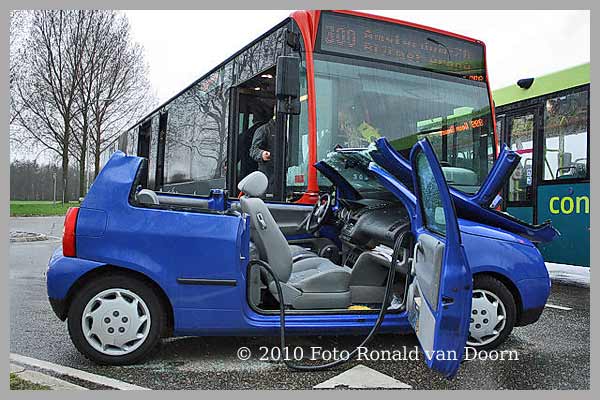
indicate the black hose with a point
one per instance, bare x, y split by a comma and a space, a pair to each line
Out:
368, 338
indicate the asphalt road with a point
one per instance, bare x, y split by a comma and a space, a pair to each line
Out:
554, 353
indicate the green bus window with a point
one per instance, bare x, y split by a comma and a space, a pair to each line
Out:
565, 136
521, 130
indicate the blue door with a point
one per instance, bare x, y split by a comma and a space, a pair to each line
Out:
439, 294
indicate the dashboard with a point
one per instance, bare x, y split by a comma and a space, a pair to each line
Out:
367, 223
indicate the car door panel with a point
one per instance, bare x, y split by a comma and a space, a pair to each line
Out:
428, 258
439, 296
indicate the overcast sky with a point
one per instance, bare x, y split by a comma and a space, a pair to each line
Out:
183, 45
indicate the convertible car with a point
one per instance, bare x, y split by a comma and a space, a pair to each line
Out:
137, 265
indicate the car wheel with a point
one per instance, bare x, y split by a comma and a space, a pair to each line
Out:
493, 313
115, 320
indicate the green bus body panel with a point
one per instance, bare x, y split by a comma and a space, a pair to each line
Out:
523, 213
561, 80
568, 207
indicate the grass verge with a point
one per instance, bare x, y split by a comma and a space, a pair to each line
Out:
39, 208
17, 383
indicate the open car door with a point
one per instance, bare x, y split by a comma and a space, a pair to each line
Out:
439, 293
472, 207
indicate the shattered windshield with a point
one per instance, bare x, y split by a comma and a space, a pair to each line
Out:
353, 166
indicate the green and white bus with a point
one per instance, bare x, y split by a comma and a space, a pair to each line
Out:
547, 120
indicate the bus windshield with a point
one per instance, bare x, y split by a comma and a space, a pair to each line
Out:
359, 101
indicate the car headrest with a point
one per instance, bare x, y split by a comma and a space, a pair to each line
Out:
254, 184
147, 196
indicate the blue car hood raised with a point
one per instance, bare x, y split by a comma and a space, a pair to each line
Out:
471, 207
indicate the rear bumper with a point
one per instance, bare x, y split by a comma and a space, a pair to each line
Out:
61, 274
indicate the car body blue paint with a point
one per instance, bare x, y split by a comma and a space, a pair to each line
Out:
488, 249
165, 245
450, 329
473, 207
63, 272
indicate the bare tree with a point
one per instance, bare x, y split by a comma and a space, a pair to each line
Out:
17, 30
83, 81
95, 50
46, 91
121, 91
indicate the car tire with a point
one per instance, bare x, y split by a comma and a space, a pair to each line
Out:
112, 309
488, 331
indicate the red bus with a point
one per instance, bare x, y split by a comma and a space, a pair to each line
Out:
360, 76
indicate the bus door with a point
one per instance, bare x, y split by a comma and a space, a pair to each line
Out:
252, 105
563, 194
520, 129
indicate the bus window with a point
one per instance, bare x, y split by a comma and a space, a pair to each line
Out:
195, 158
132, 141
153, 156
358, 102
520, 135
566, 136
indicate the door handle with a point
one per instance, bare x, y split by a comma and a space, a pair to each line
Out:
416, 250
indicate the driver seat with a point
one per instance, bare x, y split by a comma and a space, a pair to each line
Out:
312, 283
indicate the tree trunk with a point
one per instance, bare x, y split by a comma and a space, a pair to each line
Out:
82, 161
65, 175
83, 157
97, 158
65, 159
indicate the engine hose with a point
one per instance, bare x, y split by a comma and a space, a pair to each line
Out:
368, 338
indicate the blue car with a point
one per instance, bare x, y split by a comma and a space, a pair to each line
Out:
137, 265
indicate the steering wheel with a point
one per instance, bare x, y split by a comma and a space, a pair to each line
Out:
317, 216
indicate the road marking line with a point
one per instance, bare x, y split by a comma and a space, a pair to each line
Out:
558, 307
362, 377
83, 375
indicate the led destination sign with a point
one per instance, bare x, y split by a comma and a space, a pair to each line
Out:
378, 40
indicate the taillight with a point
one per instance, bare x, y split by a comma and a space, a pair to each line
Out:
68, 240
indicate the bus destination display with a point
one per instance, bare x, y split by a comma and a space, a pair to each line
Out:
379, 40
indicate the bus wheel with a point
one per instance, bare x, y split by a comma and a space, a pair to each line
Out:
493, 313
115, 320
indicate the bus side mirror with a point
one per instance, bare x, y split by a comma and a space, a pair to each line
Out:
287, 85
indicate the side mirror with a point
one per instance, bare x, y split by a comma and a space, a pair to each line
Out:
287, 85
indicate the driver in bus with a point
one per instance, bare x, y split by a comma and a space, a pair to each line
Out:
354, 130
260, 150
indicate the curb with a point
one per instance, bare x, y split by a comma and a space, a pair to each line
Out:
568, 275
43, 379
74, 373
